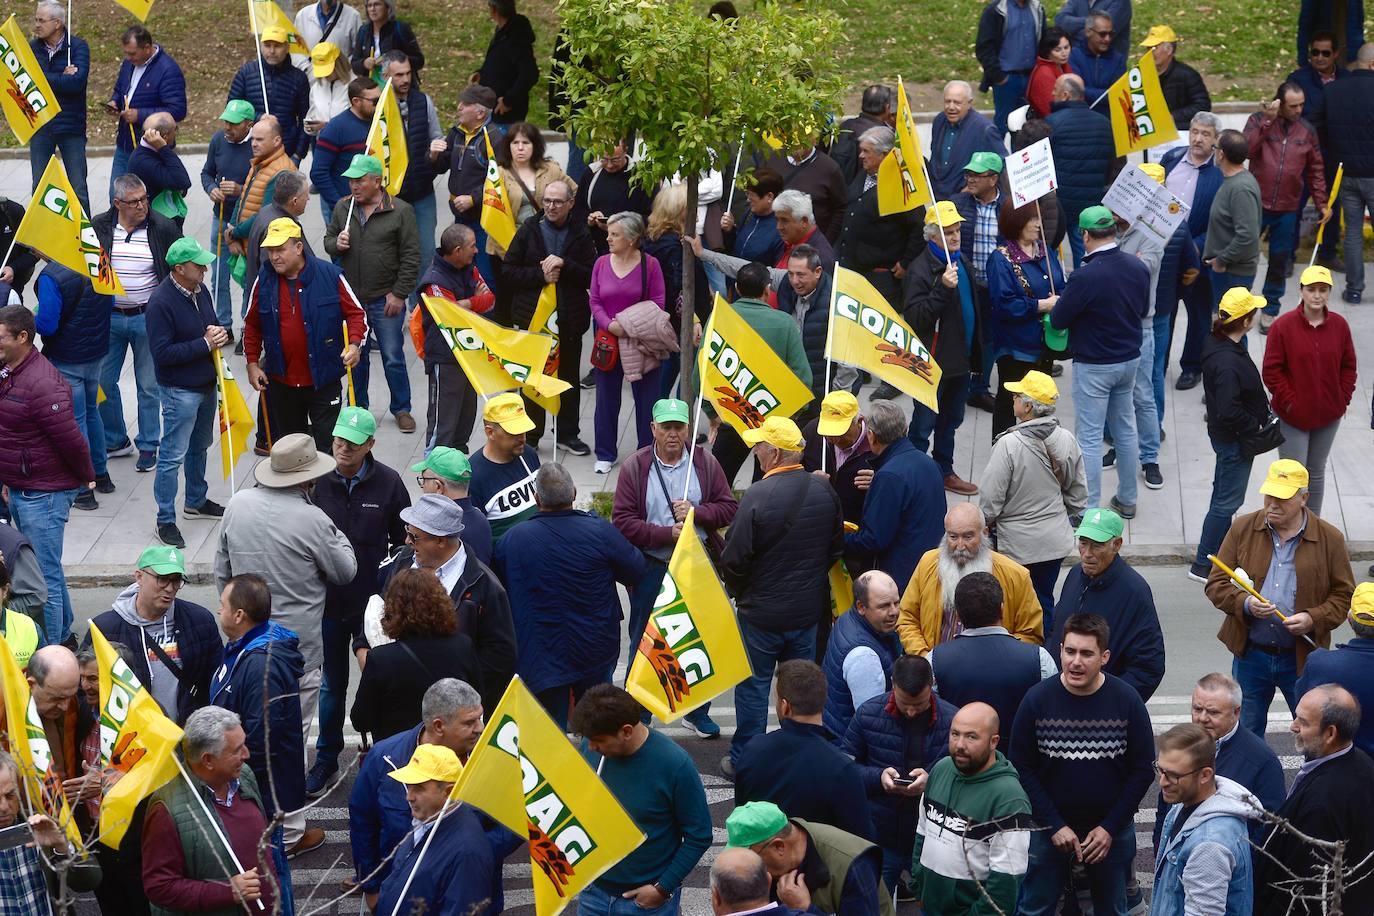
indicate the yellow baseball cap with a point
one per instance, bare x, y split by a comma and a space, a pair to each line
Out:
944, 212
322, 58
838, 411
1286, 477
1315, 274
1362, 604
1037, 386
275, 33
1239, 302
280, 230
430, 762
778, 432
1154, 170
1157, 35
508, 412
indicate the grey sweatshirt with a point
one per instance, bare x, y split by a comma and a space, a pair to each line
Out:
163, 684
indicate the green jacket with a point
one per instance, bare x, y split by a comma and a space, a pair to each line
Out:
383, 255
838, 850
779, 330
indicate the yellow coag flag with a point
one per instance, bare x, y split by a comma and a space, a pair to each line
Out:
1140, 116
495, 359
497, 217
26, 98
901, 177
527, 775
136, 741
29, 747
55, 226
235, 420
841, 588
267, 14
140, 8
545, 321
386, 139
691, 651
741, 375
867, 333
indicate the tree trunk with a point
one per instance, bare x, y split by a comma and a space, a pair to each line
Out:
687, 339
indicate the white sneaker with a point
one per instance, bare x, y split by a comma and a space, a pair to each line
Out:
604, 467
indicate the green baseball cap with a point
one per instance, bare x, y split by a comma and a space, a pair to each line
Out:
753, 823
363, 164
162, 561
984, 162
1098, 217
1100, 525
670, 410
356, 424
238, 111
448, 463
188, 249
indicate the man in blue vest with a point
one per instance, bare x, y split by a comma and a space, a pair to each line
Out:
862, 648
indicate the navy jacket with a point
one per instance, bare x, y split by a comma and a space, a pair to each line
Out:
324, 319
1313, 89
1098, 71
799, 769
1346, 122
160, 169
1084, 153
880, 737
460, 877
162, 88
975, 133
904, 512
1350, 666
1102, 306
70, 91
369, 515
851, 631
565, 634
815, 324
1123, 597
287, 97
72, 317
1208, 182
1250, 761
176, 336
991, 668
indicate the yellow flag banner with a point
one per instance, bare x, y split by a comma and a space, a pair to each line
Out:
386, 139
55, 226
527, 775
136, 741
29, 747
27, 99
841, 588
545, 321
865, 332
235, 420
1140, 116
741, 376
266, 14
691, 651
901, 177
140, 8
495, 359
497, 217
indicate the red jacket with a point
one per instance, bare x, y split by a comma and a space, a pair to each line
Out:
628, 513
1281, 158
1309, 371
41, 447
1040, 89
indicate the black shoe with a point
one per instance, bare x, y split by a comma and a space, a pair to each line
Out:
1334, 262
238, 347
103, 484
1056, 370
170, 535
1186, 381
589, 380
119, 451
86, 501
727, 768
905, 892
575, 446
1122, 509
1109, 459
1351, 297
885, 392
317, 780
1198, 572
1153, 479
982, 401
207, 509
147, 461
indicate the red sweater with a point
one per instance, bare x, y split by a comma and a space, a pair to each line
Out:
164, 863
1310, 371
1040, 89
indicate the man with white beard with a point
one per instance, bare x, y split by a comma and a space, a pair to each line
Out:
927, 616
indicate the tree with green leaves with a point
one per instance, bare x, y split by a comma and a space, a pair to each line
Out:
691, 87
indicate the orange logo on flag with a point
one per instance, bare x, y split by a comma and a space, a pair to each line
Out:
735, 402
896, 356
551, 860
664, 662
21, 102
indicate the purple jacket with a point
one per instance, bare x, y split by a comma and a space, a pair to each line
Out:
718, 504
41, 447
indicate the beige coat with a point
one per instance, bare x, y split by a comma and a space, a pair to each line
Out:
548, 171
1023, 497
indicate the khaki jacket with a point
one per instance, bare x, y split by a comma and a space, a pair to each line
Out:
923, 605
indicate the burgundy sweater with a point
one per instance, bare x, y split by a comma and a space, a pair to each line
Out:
718, 504
1309, 371
164, 864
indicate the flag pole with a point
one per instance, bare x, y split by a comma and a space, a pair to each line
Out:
829, 331
1330, 202
6, 259
219, 253
692, 445
214, 824
68, 26
701, 386
133, 134
257, 44
352, 398
729, 201
227, 451
934, 202
429, 837
1049, 270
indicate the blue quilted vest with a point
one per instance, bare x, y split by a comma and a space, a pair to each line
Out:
323, 320
850, 632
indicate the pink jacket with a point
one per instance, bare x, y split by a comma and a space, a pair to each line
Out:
648, 339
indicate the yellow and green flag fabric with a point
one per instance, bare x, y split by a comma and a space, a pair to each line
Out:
743, 379
136, 742
54, 225
140, 8
526, 774
267, 14
494, 358
27, 99
901, 177
386, 139
1140, 116
545, 321
235, 420
497, 217
691, 651
867, 333
841, 588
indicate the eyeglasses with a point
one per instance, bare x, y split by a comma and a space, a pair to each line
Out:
416, 537
555, 202
1172, 777
1105, 33
173, 582
424, 481
1314, 52
136, 202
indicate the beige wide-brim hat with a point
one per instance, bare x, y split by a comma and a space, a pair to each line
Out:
294, 460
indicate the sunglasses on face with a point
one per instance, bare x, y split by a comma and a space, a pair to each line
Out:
1320, 53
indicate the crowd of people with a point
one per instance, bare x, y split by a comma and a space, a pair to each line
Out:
972, 733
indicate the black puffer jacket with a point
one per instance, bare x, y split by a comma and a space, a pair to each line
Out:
1346, 120
1185, 93
1236, 402
779, 573
934, 312
869, 241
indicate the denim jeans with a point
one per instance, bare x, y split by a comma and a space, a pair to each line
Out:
1282, 227
952, 396
1357, 197
1311, 448
1229, 480
577, 160
1048, 872
1223, 281
593, 901
129, 332
1143, 397
391, 335
1162, 334
42, 517
1258, 673
1197, 301
73, 149
220, 277
1100, 391
337, 635
119, 165
84, 379
606, 419
1044, 577
1008, 97
426, 216
766, 648
188, 418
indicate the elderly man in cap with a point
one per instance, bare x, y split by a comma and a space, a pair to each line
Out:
1182, 86
1300, 566
776, 561
656, 489
1102, 307
222, 177
464, 157
1348, 664
977, 205
382, 265
293, 338
837, 449
183, 336
286, 93
447, 472
503, 470
812, 865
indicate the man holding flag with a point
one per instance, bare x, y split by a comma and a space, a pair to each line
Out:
420, 133
66, 62
286, 94
465, 159
25, 879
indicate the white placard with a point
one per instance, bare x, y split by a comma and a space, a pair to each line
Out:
1145, 204
1030, 173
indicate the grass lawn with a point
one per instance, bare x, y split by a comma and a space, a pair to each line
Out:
1242, 47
